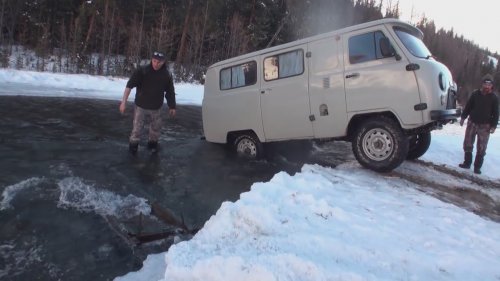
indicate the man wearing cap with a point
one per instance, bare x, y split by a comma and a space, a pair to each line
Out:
153, 83
482, 110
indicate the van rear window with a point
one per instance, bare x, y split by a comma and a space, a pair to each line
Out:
238, 76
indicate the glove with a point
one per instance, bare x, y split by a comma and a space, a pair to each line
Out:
462, 121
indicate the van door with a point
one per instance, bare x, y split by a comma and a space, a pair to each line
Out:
284, 95
377, 83
326, 88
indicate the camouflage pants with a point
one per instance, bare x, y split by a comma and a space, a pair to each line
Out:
483, 135
140, 117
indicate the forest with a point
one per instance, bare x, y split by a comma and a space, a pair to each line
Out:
111, 37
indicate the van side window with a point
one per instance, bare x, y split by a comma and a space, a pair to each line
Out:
238, 76
365, 47
284, 65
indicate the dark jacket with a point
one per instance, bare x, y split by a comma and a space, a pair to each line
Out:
482, 109
152, 85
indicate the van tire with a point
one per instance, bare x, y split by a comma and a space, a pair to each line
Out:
419, 144
247, 145
380, 144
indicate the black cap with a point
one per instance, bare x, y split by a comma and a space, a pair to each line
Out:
487, 78
159, 55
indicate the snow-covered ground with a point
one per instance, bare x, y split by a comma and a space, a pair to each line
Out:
346, 223
86, 86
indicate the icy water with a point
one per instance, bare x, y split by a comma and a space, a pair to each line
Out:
72, 197
71, 193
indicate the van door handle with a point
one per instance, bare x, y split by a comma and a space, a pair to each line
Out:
263, 91
353, 75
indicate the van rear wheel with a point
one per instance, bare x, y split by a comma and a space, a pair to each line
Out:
380, 144
247, 145
419, 144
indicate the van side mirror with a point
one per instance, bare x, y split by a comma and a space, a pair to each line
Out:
386, 49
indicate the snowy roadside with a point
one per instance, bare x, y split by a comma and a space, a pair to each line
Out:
86, 86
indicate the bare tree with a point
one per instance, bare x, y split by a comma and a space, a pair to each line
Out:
111, 39
2, 12
161, 36
42, 49
200, 47
238, 37
104, 37
183, 43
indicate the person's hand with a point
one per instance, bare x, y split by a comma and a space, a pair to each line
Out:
123, 106
171, 112
462, 121
492, 130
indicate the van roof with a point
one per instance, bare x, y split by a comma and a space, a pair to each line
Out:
392, 21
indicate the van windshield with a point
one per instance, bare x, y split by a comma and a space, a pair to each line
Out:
412, 43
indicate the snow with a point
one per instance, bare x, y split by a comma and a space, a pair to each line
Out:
494, 61
343, 223
325, 224
86, 86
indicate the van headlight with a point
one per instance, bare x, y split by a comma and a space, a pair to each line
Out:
442, 82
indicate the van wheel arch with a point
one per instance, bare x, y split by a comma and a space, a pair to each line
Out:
357, 120
379, 143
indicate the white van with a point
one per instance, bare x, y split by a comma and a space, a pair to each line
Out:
375, 84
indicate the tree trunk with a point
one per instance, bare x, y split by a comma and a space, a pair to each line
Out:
89, 33
202, 35
182, 48
100, 64
2, 11
110, 41
138, 57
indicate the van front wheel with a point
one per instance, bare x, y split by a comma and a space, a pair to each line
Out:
248, 146
380, 144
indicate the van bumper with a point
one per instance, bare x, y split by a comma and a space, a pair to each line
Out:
448, 114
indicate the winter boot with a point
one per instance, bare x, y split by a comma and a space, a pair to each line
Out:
133, 147
467, 160
153, 146
478, 163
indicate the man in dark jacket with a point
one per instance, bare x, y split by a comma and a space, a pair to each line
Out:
482, 110
153, 83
